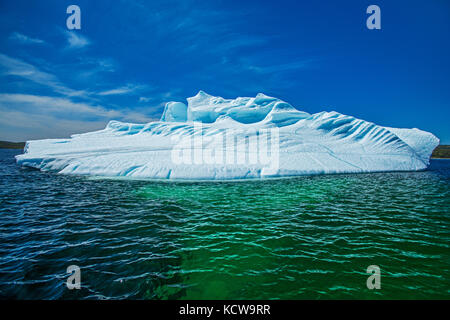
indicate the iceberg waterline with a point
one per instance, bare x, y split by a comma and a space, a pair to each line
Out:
193, 142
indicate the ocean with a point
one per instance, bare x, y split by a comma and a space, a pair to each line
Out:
309, 237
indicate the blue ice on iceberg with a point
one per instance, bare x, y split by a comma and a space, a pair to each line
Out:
212, 138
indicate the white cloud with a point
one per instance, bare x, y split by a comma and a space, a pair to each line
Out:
281, 67
19, 68
56, 105
127, 89
145, 99
28, 116
15, 67
19, 37
76, 40
106, 65
24, 117
19, 126
161, 98
59, 106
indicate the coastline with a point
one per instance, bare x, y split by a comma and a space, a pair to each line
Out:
441, 151
11, 145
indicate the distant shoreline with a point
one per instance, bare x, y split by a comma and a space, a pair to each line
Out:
441, 151
11, 145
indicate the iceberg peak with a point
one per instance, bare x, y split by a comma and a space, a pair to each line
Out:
206, 108
174, 112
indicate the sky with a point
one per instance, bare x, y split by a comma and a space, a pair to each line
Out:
130, 57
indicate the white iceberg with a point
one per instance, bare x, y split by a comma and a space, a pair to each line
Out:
212, 138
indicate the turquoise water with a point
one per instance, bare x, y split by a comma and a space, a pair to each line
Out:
300, 238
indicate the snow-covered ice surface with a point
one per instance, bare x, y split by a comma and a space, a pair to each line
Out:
321, 143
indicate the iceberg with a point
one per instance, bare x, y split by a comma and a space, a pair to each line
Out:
212, 138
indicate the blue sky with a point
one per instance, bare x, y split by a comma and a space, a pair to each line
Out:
132, 56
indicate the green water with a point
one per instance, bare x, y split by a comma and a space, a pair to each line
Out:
300, 238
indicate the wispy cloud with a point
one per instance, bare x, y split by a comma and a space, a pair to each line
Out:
145, 99
65, 107
55, 117
76, 40
106, 65
232, 42
63, 110
15, 67
19, 37
127, 89
55, 105
93, 69
19, 126
161, 98
204, 29
292, 66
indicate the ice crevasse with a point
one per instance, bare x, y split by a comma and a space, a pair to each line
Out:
212, 138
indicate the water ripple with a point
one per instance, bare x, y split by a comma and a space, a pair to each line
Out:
301, 238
